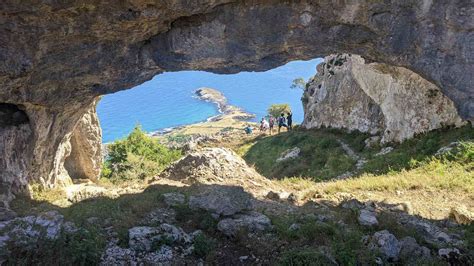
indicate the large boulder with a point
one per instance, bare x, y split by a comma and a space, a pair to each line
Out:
221, 200
367, 218
375, 98
387, 244
251, 222
210, 165
462, 215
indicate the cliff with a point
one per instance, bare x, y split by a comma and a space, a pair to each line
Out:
376, 98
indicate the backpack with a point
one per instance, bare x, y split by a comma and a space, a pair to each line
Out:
281, 120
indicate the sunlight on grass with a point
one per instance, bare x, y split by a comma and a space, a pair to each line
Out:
434, 175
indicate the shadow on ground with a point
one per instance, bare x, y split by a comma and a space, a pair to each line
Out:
318, 232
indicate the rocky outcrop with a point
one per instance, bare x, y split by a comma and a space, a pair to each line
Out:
376, 98
39, 145
85, 159
56, 57
210, 165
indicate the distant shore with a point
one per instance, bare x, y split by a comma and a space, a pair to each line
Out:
229, 116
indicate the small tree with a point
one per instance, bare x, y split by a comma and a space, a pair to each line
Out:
137, 157
276, 110
298, 83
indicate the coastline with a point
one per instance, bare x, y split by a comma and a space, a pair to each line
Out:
229, 116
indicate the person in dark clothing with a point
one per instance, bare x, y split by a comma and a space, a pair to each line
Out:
282, 122
289, 120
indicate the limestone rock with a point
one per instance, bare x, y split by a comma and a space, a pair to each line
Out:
142, 238
387, 244
252, 222
367, 218
375, 98
25, 232
410, 250
79, 192
462, 215
85, 159
372, 141
174, 199
62, 55
210, 165
289, 154
221, 200
384, 151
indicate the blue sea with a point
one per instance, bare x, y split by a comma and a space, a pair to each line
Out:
168, 99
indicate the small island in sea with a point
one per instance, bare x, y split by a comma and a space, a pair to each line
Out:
229, 117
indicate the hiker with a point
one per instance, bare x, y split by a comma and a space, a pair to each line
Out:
271, 123
289, 119
282, 122
263, 125
248, 129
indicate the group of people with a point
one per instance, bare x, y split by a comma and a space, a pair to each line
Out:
281, 121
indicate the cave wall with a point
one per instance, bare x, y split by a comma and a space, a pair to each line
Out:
376, 98
56, 57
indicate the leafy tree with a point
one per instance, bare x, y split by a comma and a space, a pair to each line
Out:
277, 109
298, 83
137, 157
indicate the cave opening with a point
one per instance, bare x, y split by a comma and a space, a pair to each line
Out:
12, 115
169, 100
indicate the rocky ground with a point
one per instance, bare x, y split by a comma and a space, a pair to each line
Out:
211, 207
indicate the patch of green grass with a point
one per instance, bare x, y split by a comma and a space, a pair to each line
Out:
200, 219
405, 155
305, 257
321, 155
203, 246
343, 244
83, 247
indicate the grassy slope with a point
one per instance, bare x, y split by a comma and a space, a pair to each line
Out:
322, 157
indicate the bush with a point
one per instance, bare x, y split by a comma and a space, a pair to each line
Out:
203, 245
137, 157
276, 110
305, 257
83, 247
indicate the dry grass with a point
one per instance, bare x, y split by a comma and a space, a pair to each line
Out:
434, 175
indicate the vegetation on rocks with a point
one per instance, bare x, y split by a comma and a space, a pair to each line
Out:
138, 156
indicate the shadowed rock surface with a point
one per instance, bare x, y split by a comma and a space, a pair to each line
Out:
57, 57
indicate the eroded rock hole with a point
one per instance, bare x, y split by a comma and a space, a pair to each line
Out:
12, 115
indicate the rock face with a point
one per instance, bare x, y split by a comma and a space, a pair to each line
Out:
209, 165
375, 98
56, 57
85, 159
38, 145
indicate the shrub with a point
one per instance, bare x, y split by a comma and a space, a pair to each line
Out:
136, 157
277, 109
83, 247
203, 245
305, 257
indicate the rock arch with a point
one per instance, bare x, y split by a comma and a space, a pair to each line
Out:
56, 57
